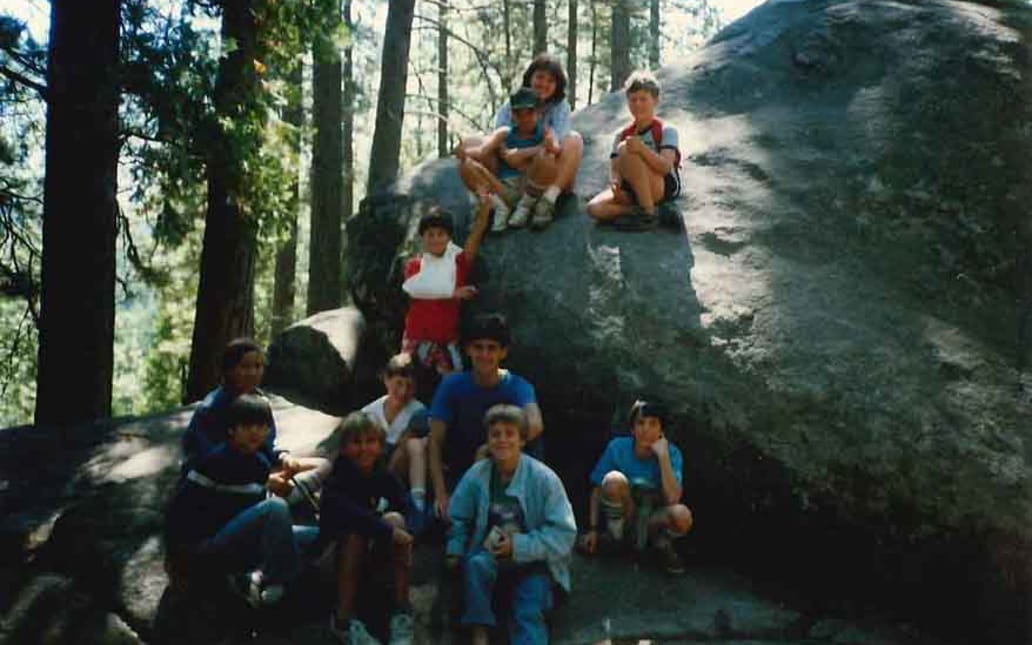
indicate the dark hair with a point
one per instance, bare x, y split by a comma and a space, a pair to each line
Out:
400, 365
547, 63
645, 408
358, 424
507, 413
487, 327
438, 218
642, 80
235, 351
248, 410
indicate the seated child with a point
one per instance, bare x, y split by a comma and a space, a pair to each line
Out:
435, 280
361, 512
526, 166
643, 167
394, 412
637, 487
220, 516
511, 527
243, 364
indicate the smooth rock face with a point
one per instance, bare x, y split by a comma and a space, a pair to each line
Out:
842, 328
317, 356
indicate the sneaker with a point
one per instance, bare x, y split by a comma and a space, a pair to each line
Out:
521, 213
636, 220
248, 587
544, 213
351, 632
668, 558
499, 220
401, 628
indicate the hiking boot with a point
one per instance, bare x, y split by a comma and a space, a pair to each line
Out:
401, 628
544, 213
669, 560
636, 220
521, 213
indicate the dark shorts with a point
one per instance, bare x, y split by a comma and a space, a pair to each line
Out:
671, 188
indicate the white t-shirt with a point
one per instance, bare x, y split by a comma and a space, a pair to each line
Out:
401, 420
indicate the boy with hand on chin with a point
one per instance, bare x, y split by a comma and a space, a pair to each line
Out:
436, 282
637, 491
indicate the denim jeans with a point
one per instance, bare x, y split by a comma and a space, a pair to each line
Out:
262, 536
529, 586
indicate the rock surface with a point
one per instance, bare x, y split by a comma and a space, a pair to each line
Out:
842, 328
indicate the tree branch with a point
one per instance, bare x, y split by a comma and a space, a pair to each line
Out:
24, 80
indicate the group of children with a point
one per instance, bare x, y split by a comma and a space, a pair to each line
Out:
532, 157
511, 527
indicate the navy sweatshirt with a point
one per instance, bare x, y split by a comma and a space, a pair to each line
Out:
221, 484
353, 503
208, 429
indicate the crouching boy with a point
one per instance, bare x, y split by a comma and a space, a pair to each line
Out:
220, 518
512, 529
637, 491
361, 512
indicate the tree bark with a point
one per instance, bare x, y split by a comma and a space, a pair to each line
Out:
77, 321
620, 52
507, 27
283, 290
348, 133
442, 80
571, 55
594, 51
540, 27
654, 34
390, 106
324, 249
225, 295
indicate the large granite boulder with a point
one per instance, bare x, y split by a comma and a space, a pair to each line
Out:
842, 328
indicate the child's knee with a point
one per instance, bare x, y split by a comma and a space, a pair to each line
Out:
573, 141
679, 519
395, 519
615, 485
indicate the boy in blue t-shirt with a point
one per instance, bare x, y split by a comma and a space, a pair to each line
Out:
637, 482
457, 412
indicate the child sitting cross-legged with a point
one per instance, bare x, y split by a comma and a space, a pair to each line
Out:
636, 499
362, 507
221, 519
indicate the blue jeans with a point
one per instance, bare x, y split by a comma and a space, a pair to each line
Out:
531, 592
262, 536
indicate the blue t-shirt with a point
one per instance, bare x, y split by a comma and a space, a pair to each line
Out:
516, 141
460, 403
642, 473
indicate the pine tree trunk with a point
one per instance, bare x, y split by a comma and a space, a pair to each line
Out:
571, 55
390, 106
540, 27
654, 34
225, 295
283, 290
594, 52
442, 81
77, 322
620, 52
324, 249
507, 27
348, 134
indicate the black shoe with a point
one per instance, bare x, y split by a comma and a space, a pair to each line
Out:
669, 215
636, 220
668, 558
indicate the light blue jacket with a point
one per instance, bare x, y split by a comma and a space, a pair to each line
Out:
547, 514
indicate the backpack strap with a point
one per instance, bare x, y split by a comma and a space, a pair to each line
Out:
657, 137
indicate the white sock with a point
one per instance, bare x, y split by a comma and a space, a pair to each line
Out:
552, 193
473, 198
419, 498
501, 208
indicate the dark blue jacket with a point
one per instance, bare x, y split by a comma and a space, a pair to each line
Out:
353, 503
207, 430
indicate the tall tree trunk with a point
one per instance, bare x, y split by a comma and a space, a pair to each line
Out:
286, 254
594, 51
620, 52
507, 27
654, 34
390, 106
571, 55
225, 295
77, 321
348, 128
324, 249
540, 27
442, 81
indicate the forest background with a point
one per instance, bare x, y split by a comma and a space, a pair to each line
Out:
313, 107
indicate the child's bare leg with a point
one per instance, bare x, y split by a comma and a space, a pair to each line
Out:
401, 560
647, 185
617, 503
543, 170
350, 553
416, 453
607, 206
568, 161
675, 520
475, 148
477, 178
